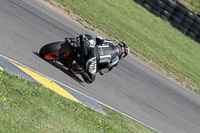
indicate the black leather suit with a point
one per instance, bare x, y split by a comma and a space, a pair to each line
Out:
101, 57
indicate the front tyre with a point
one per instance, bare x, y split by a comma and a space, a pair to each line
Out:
55, 50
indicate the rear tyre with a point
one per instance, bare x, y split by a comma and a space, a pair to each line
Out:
55, 50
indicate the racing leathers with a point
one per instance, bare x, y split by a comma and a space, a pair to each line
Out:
100, 56
108, 56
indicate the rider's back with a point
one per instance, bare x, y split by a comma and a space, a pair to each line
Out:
107, 52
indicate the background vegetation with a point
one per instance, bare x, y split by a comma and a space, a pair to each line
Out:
150, 38
28, 107
193, 5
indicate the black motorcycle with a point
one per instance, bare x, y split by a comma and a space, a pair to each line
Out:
66, 52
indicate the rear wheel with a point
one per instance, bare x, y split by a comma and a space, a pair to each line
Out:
55, 50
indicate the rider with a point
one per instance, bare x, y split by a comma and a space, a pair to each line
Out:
100, 52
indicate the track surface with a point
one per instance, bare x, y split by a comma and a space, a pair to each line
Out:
132, 88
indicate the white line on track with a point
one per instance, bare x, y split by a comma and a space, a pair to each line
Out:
81, 93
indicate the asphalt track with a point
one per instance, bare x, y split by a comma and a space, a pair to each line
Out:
132, 88
16, 68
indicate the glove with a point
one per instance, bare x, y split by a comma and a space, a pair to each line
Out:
86, 78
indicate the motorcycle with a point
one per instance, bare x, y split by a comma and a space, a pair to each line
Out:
66, 52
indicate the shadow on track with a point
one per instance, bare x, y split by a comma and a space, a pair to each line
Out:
63, 69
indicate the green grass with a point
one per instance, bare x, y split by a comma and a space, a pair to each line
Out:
28, 107
193, 5
149, 37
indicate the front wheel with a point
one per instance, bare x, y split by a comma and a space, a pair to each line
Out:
55, 50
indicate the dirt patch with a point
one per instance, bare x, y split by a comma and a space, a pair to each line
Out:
61, 9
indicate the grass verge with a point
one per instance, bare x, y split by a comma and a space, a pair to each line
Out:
150, 38
30, 107
193, 5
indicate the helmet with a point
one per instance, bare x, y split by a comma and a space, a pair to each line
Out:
91, 43
87, 40
123, 49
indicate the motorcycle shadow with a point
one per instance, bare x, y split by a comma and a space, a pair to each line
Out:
63, 69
